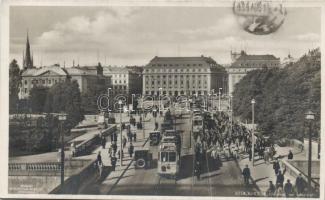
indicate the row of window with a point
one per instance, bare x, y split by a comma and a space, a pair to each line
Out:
177, 70
119, 87
199, 92
118, 75
175, 82
120, 81
165, 65
44, 81
176, 76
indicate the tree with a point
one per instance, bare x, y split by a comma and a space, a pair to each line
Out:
282, 97
37, 98
14, 84
65, 97
89, 99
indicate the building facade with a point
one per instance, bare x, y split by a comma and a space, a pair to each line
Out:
125, 80
176, 76
47, 76
243, 63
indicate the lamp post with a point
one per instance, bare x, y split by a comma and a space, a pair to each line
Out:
253, 137
310, 116
108, 101
62, 118
230, 108
160, 89
121, 157
154, 114
208, 100
212, 99
219, 99
143, 116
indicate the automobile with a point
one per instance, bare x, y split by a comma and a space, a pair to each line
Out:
143, 159
154, 138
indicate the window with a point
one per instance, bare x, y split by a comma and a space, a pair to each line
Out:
152, 82
175, 82
172, 157
43, 81
124, 87
25, 90
199, 70
124, 81
164, 82
158, 82
176, 70
200, 64
49, 81
115, 81
164, 156
188, 65
120, 81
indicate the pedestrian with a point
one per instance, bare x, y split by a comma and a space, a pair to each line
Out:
288, 188
156, 126
276, 166
131, 149
114, 146
290, 155
119, 154
103, 142
250, 154
280, 177
300, 184
113, 162
110, 149
124, 141
99, 164
247, 174
271, 190
266, 156
99, 159
135, 136
197, 170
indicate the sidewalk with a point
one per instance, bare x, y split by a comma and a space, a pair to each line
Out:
108, 181
262, 173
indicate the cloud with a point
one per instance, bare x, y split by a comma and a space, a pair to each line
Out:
308, 37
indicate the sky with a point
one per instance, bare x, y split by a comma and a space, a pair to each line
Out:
134, 35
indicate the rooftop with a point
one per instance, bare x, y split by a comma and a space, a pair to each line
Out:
202, 58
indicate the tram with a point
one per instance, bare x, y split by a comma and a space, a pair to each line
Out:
197, 123
168, 160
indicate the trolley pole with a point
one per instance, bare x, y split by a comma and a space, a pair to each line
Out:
253, 136
121, 142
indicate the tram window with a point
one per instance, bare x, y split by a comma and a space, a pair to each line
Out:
197, 122
164, 156
172, 156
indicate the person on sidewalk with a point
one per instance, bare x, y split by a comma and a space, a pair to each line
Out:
247, 174
276, 166
124, 142
300, 184
156, 126
110, 149
197, 170
290, 155
135, 136
250, 154
288, 189
113, 162
99, 164
271, 190
103, 141
119, 154
114, 147
280, 177
131, 149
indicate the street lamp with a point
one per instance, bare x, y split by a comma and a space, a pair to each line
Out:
62, 117
121, 157
230, 109
160, 89
253, 137
219, 99
310, 116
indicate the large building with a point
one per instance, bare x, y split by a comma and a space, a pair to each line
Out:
175, 76
47, 76
125, 80
243, 63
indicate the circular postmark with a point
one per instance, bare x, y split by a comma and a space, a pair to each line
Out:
259, 17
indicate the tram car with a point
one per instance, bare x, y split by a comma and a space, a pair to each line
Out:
197, 123
168, 160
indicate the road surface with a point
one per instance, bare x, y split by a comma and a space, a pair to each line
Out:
218, 178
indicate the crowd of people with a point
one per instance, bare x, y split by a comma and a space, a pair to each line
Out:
222, 137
